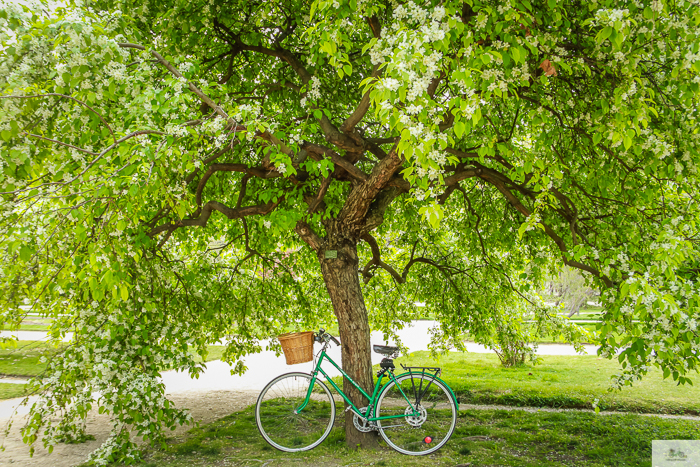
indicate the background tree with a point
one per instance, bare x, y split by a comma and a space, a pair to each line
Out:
569, 288
176, 172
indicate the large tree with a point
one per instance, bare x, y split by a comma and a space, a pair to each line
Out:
178, 171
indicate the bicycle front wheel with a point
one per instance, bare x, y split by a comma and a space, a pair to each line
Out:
421, 433
277, 418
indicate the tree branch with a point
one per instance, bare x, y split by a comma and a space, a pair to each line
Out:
320, 151
224, 167
205, 212
203, 97
349, 124
360, 198
496, 179
308, 235
321, 193
376, 261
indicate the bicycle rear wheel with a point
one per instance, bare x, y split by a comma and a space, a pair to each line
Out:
421, 434
277, 420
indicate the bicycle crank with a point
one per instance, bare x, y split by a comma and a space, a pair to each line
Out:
361, 424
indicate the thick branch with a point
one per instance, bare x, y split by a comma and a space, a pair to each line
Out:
307, 234
321, 193
206, 211
255, 171
457, 177
349, 125
360, 198
375, 214
317, 151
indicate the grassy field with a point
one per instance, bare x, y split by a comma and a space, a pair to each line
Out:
24, 359
567, 381
30, 323
482, 438
10, 391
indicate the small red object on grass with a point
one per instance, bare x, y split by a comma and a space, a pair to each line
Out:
428, 440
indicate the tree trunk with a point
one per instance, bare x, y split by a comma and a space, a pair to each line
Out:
342, 281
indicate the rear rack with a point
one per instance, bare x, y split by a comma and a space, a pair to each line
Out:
436, 370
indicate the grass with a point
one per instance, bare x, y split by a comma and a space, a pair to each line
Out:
559, 381
215, 353
30, 323
10, 391
482, 437
24, 359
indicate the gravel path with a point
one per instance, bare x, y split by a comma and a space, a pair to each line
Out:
550, 409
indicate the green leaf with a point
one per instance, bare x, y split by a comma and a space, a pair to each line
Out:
515, 52
604, 34
627, 141
25, 253
459, 128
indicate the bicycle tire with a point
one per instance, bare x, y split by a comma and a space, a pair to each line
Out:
417, 435
277, 421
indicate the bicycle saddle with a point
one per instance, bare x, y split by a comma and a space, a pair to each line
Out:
385, 349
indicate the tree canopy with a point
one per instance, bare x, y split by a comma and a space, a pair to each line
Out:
176, 172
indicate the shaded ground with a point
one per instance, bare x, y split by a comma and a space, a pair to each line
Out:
205, 407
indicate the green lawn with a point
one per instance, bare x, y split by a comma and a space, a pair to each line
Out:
32, 327
24, 359
568, 381
10, 391
482, 438
30, 323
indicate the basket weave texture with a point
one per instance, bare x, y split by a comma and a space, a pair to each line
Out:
298, 347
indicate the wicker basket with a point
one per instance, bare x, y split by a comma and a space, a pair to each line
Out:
298, 347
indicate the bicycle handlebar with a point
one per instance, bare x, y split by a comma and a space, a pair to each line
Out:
322, 334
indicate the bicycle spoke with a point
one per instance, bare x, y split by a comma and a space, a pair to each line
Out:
426, 431
281, 426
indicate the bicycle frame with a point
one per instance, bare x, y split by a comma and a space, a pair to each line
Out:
372, 399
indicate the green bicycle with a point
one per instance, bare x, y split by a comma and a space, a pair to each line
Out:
415, 412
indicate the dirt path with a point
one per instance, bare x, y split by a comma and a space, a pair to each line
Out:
204, 406
551, 409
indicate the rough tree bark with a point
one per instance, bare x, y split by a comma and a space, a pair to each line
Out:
341, 275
